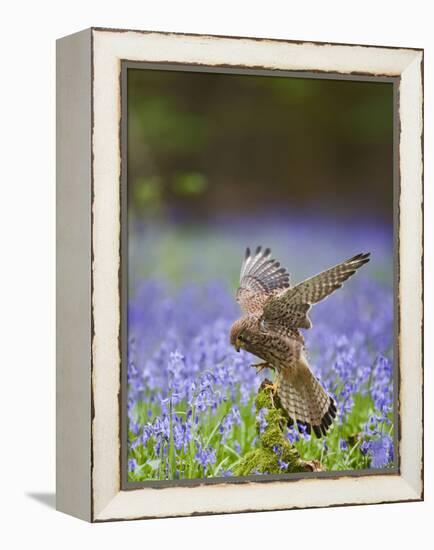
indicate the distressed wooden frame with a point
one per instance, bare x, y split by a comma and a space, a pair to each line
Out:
89, 170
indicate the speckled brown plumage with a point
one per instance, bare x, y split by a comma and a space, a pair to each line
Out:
274, 311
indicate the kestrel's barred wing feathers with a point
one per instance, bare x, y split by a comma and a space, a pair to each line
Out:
320, 286
261, 273
290, 308
260, 276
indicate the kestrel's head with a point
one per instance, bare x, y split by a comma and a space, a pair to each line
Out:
239, 336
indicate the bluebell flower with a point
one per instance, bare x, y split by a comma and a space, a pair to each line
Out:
303, 431
292, 435
282, 464
277, 450
205, 457
261, 419
382, 451
343, 445
134, 427
132, 465
365, 447
133, 444
147, 433
231, 419
179, 435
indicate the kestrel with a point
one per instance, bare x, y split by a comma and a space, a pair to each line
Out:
274, 312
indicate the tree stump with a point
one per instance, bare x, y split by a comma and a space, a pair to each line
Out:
275, 454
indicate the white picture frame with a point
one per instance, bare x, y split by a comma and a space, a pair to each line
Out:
89, 173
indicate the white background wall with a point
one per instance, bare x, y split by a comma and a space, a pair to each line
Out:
27, 383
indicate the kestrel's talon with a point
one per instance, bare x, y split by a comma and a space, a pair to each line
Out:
272, 387
260, 367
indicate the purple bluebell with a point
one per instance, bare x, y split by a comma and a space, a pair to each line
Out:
262, 422
205, 456
132, 465
282, 464
381, 451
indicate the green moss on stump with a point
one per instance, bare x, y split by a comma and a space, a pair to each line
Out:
265, 459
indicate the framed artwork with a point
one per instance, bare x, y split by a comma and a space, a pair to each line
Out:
239, 274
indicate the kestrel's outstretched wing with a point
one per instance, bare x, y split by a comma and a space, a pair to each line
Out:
260, 277
290, 308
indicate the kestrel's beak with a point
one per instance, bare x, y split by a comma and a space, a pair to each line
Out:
237, 345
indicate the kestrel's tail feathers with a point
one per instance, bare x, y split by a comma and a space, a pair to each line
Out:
306, 401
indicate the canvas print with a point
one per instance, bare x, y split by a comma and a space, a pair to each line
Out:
260, 276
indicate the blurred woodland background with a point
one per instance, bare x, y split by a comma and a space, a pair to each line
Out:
203, 144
